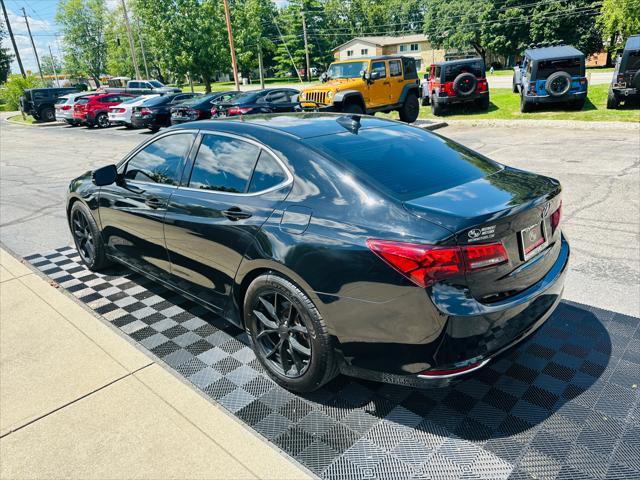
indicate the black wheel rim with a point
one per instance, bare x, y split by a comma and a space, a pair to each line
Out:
83, 237
558, 85
282, 338
103, 121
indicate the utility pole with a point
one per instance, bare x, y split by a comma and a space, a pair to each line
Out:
131, 44
234, 65
13, 41
306, 46
144, 56
33, 44
53, 64
260, 66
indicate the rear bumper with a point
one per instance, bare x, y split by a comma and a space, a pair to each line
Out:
625, 92
64, 115
570, 97
470, 98
472, 333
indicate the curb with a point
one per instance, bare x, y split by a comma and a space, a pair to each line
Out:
428, 125
47, 124
573, 124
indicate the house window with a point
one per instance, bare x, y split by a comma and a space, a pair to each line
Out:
364, 51
414, 47
403, 48
349, 53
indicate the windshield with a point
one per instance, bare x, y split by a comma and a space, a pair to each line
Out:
346, 70
405, 162
573, 66
197, 100
156, 84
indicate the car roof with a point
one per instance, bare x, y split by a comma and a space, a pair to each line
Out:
300, 125
458, 61
633, 42
551, 53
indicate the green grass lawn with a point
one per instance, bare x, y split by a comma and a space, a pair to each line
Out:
505, 105
29, 120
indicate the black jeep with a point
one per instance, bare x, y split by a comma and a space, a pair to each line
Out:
626, 76
39, 102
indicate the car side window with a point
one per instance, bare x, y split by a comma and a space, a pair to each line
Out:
160, 161
268, 173
380, 68
395, 69
223, 164
278, 97
438, 72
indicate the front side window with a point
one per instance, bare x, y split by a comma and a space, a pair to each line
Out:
267, 174
395, 69
223, 164
278, 97
160, 161
380, 68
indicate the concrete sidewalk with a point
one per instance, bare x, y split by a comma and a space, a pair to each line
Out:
77, 400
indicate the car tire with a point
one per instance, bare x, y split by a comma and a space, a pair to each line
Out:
425, 101
555, 77
612, 100
525, 107
483, 103
410, 109
577, 105
87, 237
306, 360
154, 129
47, 114
466, 80
102, 120
436, 108
353, 108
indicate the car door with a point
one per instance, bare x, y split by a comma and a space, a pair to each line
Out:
396, 81
281, 100
132, 210
233, 187
379, 87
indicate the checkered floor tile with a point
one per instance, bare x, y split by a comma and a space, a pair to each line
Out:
564, 404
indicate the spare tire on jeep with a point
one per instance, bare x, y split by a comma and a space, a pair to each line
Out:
558, 84
465, 84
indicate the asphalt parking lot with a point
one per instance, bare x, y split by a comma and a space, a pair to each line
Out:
598, 167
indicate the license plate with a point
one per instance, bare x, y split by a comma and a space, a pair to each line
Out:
533, 239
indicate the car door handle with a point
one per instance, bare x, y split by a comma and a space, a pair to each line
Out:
235, 213
154, 202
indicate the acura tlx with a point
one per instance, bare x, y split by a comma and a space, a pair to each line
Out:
341, 243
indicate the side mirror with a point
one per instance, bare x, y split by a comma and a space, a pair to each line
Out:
374, 75
105, 175
323, 77
426, 76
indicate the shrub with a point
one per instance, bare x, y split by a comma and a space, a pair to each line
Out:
14, 88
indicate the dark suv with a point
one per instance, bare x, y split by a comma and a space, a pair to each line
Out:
551, 75
626, 76
455, 81
39, 102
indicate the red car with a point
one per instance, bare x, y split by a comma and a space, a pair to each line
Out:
456, 81
94, 110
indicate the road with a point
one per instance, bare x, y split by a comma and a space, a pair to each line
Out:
599, 170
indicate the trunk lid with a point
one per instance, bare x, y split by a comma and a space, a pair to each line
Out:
510, 206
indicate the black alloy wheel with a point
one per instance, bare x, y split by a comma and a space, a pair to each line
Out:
83, 237
281, 334
102, 120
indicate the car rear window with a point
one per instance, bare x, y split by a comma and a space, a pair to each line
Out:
83, 100
61, 100
452, 71
633, 62
573, 66
405, 162
156, 101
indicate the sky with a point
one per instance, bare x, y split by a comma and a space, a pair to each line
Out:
41, 15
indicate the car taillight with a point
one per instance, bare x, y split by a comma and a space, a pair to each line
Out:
425, 265
555, 218
238, 110
66, 107
482, 86
452, 371
145, 111
214, 111
532, 88
447, 90
620, 78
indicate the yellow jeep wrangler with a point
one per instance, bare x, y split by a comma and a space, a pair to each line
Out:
367, 85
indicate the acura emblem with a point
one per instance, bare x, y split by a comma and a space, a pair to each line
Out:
475, 233
545, 210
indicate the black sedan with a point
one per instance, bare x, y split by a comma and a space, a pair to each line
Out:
156, 112
200, 108
270, 100
340, 243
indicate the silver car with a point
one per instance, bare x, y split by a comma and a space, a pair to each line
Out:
64, 106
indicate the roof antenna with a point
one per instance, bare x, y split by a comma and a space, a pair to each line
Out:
350, 122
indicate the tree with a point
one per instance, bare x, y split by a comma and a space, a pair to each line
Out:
253, 30
47, 65
118, 59
82, 23
5, 56
14, 88
618, 20
190, 36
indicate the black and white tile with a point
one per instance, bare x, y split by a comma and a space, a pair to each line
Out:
564, 404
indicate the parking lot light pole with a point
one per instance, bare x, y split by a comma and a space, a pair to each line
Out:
234, 65
131, 43
35, 52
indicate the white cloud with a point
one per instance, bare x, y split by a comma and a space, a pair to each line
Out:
38, 27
